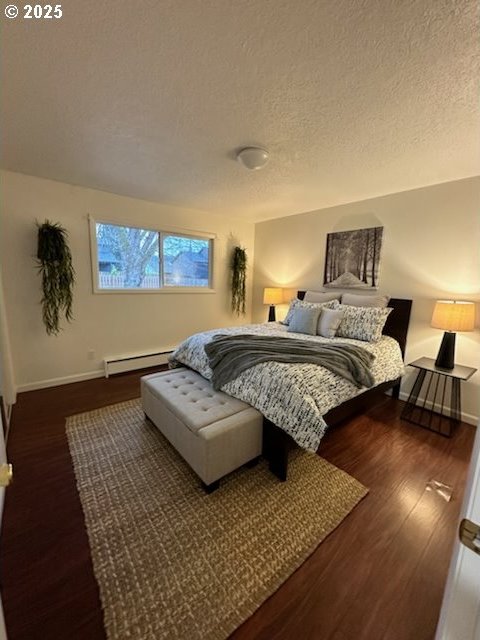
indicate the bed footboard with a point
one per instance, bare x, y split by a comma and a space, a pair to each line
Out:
276, 445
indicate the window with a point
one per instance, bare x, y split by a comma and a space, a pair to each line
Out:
186, 261
133, 258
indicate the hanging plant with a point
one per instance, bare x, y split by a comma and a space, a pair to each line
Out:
58, 274
239, 276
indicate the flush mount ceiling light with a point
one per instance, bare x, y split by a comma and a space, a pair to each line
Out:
253, 158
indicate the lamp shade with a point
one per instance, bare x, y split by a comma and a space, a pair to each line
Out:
272, 295
454, 315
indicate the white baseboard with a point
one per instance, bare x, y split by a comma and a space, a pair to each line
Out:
56, 382
112, 365
466, 417
132, 362
90, 375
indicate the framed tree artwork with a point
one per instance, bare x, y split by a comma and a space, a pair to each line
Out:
352, 259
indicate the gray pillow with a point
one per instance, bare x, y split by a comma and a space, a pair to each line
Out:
304, 321
328, 322
300, 304
320, 296
355, 300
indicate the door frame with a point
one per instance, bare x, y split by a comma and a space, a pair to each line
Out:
453, 616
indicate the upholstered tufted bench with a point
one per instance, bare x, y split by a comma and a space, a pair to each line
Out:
212, 431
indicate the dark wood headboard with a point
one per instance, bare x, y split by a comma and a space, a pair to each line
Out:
397, 322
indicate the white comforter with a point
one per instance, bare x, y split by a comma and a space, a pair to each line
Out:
292, 396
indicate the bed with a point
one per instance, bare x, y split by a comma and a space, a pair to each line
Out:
298, 401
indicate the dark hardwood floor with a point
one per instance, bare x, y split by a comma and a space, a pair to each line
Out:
380, 575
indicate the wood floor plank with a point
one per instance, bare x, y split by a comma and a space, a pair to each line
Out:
379, 575
351, 574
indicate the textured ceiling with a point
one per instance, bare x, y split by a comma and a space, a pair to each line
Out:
353, 98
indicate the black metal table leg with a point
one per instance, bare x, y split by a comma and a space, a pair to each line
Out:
429, 404
413, 396
456, 404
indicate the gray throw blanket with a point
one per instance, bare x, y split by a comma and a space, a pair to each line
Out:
229, 356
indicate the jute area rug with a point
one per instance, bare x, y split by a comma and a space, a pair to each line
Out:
173, 562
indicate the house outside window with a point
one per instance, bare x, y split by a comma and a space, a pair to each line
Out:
136, 259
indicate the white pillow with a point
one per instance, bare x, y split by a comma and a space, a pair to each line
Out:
355, 300
320, 296
329, 321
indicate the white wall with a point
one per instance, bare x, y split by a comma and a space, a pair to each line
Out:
108, 324
7, 378
430, 251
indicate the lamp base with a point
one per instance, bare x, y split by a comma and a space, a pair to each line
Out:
446, 353
271, 314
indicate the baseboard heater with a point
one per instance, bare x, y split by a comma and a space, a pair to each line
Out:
120, 364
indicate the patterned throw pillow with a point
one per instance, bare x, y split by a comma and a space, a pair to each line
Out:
300, 304
362, 323
304, 321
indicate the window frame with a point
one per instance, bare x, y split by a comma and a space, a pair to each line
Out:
164, 231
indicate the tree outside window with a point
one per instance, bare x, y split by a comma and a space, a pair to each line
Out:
135, 258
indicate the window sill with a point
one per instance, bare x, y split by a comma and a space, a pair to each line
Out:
164, 290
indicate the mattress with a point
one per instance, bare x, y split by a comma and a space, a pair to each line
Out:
295, 397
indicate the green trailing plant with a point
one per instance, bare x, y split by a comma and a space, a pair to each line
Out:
58, 275
239, 277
